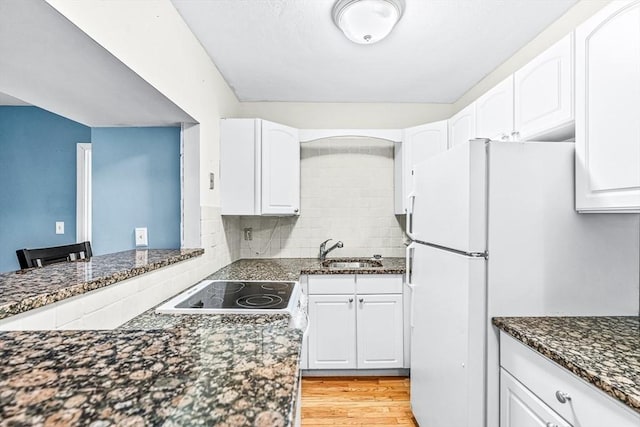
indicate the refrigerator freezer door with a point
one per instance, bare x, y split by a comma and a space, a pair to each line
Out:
447, 347
450, 198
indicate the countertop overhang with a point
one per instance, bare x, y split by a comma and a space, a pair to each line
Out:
25, 290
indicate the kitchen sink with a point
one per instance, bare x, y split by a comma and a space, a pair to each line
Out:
351, 263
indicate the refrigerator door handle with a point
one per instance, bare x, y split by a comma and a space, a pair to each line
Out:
409, 261
411, 286
409, 224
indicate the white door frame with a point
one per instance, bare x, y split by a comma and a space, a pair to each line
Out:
83, 192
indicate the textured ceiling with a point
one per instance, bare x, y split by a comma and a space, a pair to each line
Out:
290, 50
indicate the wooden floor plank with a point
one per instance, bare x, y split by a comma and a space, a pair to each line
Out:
356, 402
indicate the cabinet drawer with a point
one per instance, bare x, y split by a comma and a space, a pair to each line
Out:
378, 284
519, 407
332, 284
588, 407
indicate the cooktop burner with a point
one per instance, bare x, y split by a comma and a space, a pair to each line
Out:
216, 288
259, 301
233, 295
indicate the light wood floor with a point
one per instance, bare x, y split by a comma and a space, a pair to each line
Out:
356, 401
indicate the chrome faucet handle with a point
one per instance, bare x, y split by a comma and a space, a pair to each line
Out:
323, 251
325, 242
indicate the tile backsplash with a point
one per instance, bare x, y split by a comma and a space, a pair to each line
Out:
346, 194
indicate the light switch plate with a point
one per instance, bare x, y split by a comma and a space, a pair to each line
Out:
59, 227
141, 236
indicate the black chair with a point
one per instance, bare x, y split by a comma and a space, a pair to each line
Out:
29, 258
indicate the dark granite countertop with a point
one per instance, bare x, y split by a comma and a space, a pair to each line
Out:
604, 351
36, 287
292, 268
171, 370
160, 369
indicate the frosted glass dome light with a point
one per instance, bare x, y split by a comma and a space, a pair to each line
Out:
367, 21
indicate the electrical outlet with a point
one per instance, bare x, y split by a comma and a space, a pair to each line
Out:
59, 227
141, 236
248, 233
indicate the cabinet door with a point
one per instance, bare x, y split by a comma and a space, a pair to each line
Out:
544, 94
521, 408
608, 110
462, 126
238, 158
280, 169
418, 143
332, 332
494, 112
380, 331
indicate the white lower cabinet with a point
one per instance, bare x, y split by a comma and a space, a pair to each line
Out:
521, 408
534, 391
356, 322
379, 331
332, 332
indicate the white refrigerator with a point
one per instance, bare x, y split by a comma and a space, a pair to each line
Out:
494, 233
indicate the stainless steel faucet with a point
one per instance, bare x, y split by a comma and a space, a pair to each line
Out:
324, 252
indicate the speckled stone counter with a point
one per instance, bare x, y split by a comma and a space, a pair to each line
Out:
604, 351
156, 370
292, 268
36, 287
160, 369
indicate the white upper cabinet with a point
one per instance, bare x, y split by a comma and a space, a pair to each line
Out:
544, 95
608, 110
462, 126
280, 169
418, 143
259, 168
494, 112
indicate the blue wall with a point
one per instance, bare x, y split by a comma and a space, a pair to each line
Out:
37, 180
136, 183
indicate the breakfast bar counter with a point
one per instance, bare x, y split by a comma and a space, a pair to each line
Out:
25, 290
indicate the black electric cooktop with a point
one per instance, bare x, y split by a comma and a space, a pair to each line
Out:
241, 295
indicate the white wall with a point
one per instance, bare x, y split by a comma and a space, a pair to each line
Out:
151, 38
346, 194
310, 115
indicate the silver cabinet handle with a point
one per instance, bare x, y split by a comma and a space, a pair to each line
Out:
562, 396
296, 210
350, 299
550, 424
515, 135
361, 300
504, 137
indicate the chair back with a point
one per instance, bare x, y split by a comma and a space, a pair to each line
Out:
29, 258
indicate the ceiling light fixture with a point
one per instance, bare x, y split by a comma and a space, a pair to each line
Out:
367, 21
